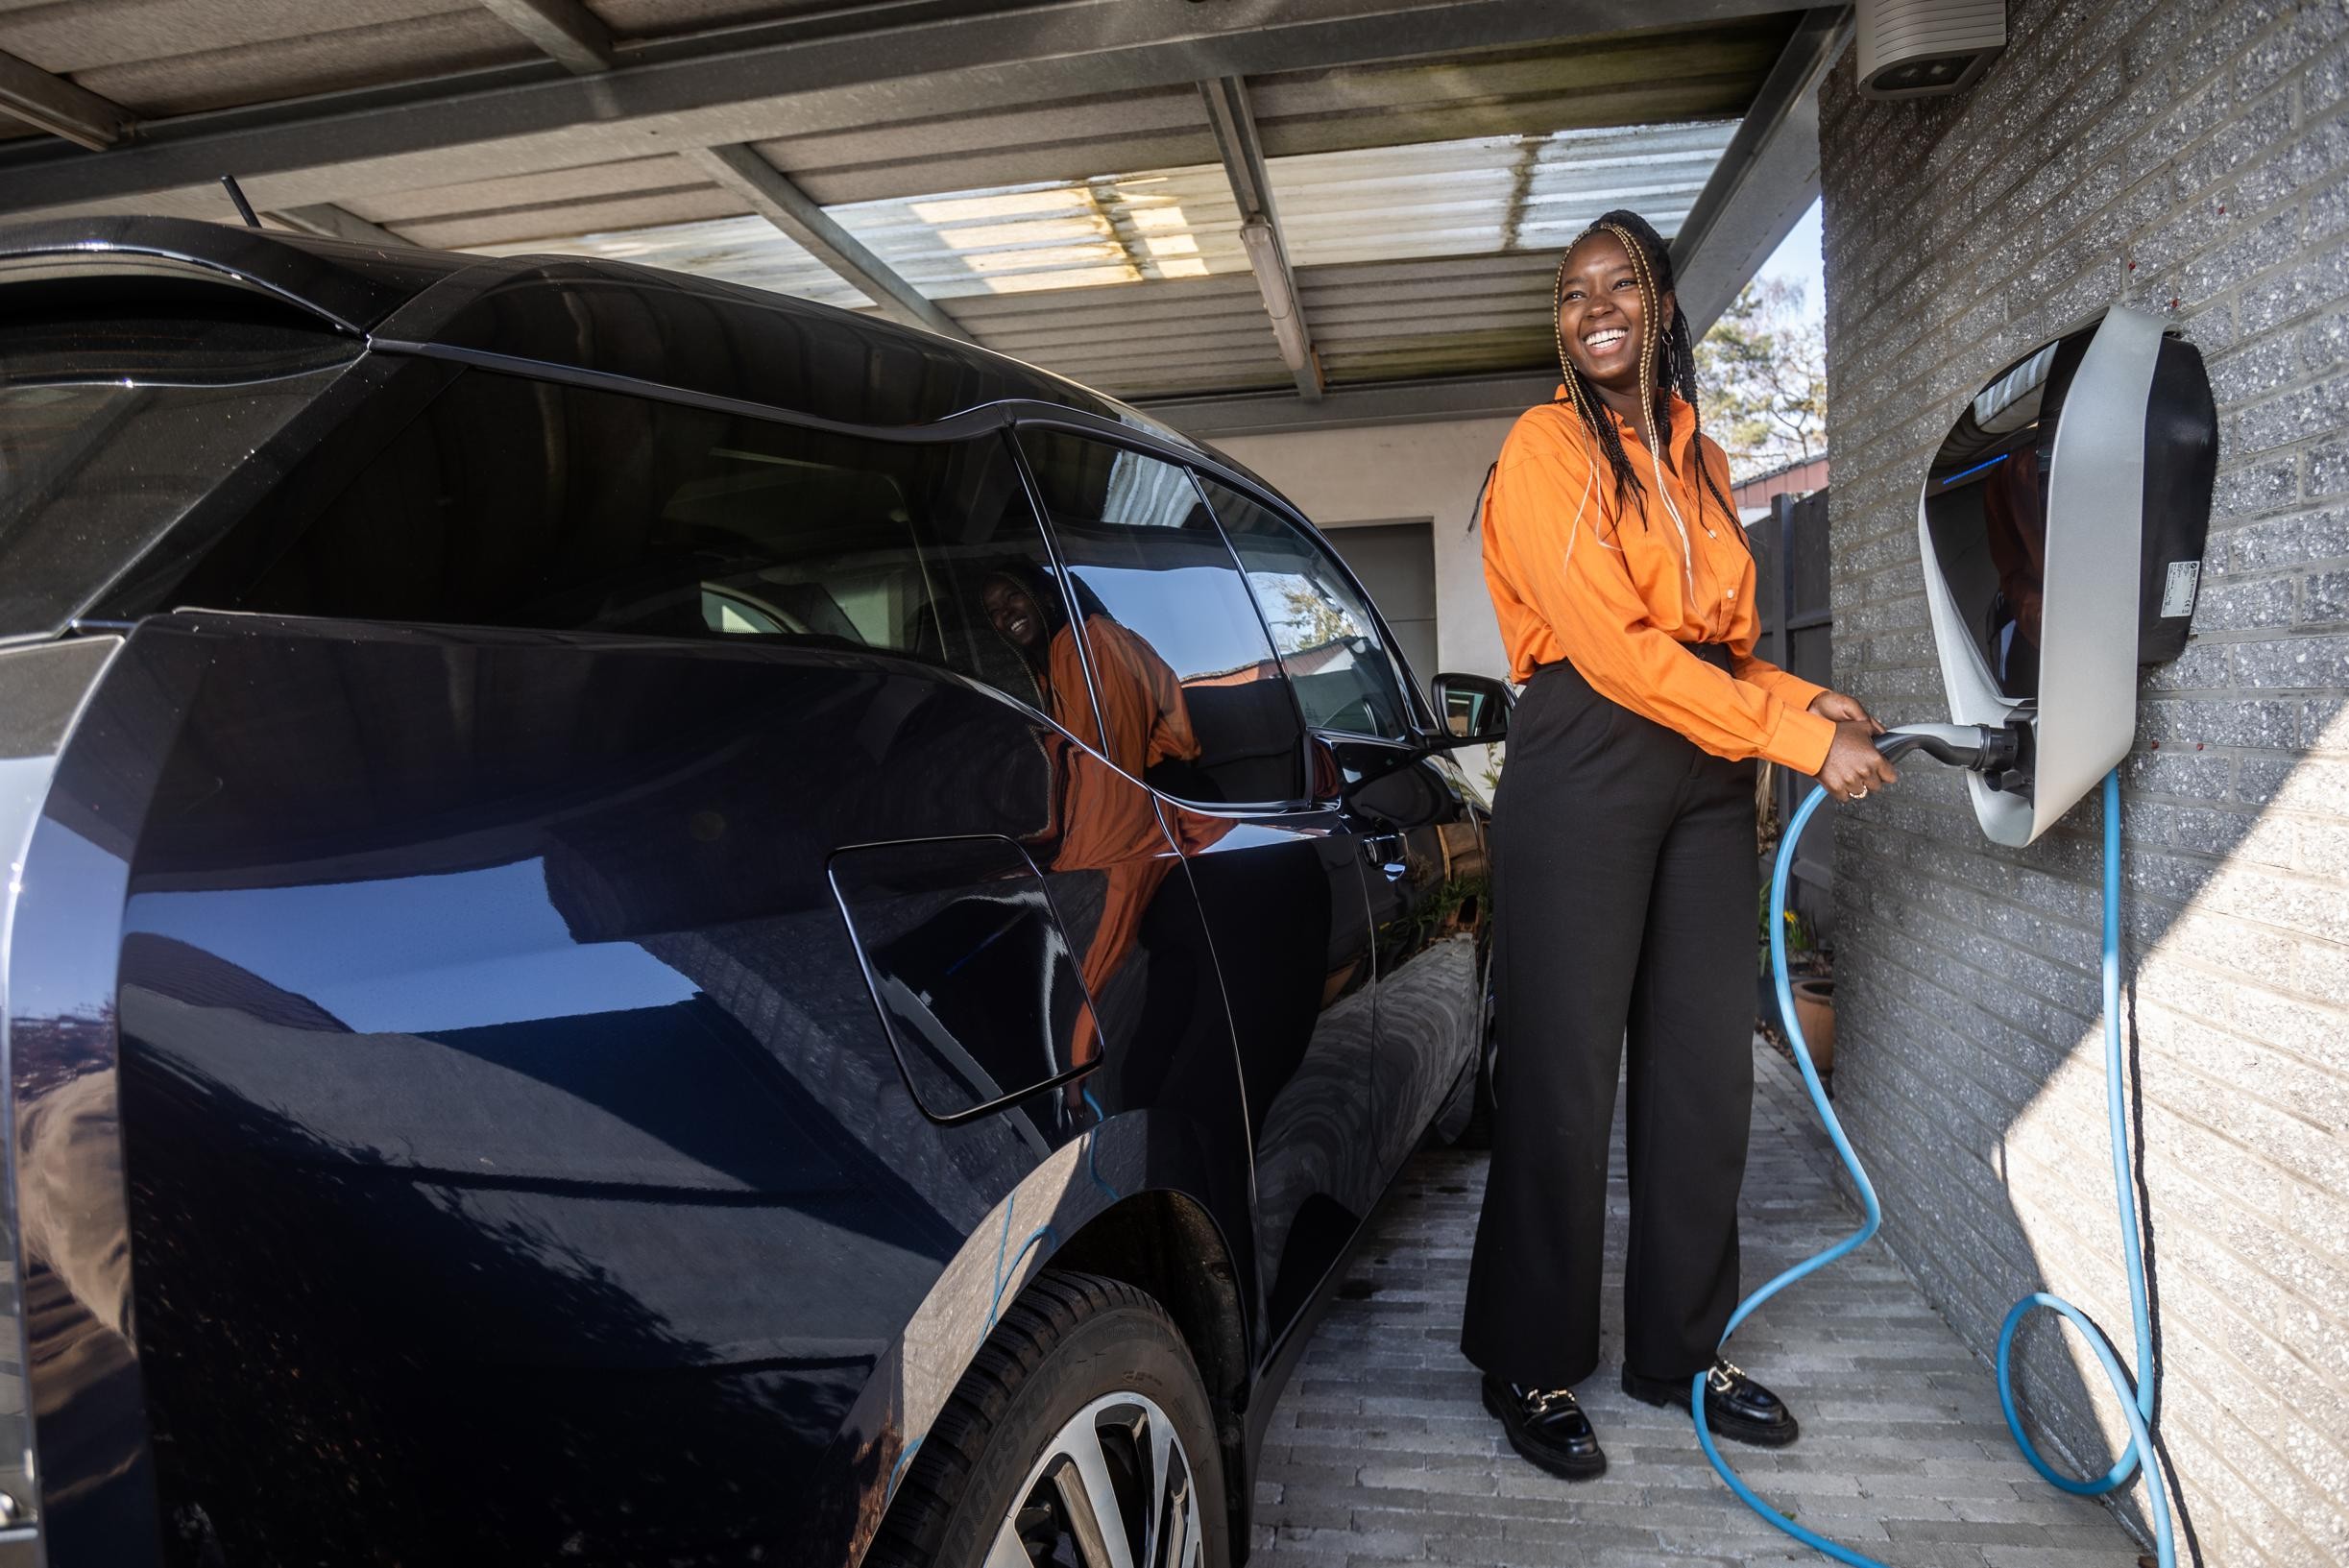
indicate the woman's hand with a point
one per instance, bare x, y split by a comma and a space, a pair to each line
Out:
1853, 766
1844, 709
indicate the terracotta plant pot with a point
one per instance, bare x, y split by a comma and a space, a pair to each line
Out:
1814, 1013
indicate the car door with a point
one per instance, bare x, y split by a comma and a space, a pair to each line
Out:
489, 989
1406, 809
1278, 879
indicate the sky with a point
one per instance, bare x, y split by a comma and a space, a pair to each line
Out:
1797, 259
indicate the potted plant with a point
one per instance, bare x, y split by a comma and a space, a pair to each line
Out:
1814, 1014
1809, 966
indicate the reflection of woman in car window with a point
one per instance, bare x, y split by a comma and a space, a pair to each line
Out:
1105, 824
1142, 702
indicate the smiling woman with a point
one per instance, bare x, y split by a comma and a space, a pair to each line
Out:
1624, 590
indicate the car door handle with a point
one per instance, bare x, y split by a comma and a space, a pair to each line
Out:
1386, 852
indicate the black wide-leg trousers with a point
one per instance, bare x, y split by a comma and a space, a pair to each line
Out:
1625, 891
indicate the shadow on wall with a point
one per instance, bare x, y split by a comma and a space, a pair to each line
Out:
1996, 950
2191, 159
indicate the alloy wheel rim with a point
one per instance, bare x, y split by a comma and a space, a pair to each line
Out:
1114, 1488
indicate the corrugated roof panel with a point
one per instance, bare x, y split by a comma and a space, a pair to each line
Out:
1486, 194
1706, 70
1064, 139
1446, 198
1657, 172
1657, 77
667, 18
1404, 321
195, 54
748, 251
527, 191
622, 212
1161, 224
1160, 340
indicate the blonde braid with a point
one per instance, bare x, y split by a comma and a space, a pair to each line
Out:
1576, 396
1651, 335
1605, 436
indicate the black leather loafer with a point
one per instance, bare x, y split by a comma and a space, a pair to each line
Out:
1736, 1405
1547, 1427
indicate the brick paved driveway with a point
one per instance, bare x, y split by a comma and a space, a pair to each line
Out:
1380, 1453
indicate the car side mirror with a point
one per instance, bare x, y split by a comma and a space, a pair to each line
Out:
1472, 709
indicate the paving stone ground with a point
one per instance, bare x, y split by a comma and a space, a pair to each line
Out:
1380, 1452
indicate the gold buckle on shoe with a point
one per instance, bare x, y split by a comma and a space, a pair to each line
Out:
1545, 1400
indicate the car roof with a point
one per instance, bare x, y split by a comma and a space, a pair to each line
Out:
690, 333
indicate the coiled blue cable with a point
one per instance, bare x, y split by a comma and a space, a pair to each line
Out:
2136, 1395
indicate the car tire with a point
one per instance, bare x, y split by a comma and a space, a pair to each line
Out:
1083, 1402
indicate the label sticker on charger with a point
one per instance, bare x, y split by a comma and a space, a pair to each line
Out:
2178, 588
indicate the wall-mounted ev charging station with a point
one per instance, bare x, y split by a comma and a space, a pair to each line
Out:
2061, 526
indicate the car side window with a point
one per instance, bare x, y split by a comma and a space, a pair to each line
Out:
1344, 677
516, 503
1192, 694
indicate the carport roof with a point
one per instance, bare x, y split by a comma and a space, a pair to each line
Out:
1075, 183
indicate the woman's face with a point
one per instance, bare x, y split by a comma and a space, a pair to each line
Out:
1013, 612
1600, 313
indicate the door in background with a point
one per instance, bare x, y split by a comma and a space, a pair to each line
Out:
1396, 562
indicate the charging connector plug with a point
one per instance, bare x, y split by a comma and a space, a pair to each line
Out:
1976, 748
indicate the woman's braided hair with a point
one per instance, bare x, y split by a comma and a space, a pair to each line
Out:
1665, 360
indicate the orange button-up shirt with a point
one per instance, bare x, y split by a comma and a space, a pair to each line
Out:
1619, 595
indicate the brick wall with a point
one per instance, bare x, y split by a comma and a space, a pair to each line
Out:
2194, 157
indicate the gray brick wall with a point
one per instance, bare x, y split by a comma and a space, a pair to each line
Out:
2193, 157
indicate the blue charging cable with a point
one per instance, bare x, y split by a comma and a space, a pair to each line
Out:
2136, 1395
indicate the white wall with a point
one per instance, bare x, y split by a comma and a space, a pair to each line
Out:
1401, 473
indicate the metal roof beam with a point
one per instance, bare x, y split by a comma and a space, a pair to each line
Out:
793, 78
60, 107
330, 222
1766, 180
564, 30
770, 193
1234, 124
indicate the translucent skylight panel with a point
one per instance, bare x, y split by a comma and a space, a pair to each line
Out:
1391, 203
1479, 196
748, 250
1015, 239
1486, 194
1657, 171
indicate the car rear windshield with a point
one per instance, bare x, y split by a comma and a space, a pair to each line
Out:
124, 402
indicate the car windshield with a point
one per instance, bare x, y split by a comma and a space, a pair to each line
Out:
118, 416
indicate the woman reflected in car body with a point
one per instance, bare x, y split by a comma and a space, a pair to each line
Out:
1113, 831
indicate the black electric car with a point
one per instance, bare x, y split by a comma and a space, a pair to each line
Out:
651, 924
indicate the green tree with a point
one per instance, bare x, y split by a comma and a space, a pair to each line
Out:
1761, 373
1316, 618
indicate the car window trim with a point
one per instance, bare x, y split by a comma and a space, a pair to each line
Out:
1008, 416
965, 425
971, 425
1011, 414
1047, 416
1052, 542
1398, 667
1271, 643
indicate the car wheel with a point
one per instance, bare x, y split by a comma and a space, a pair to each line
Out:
1080, 1437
